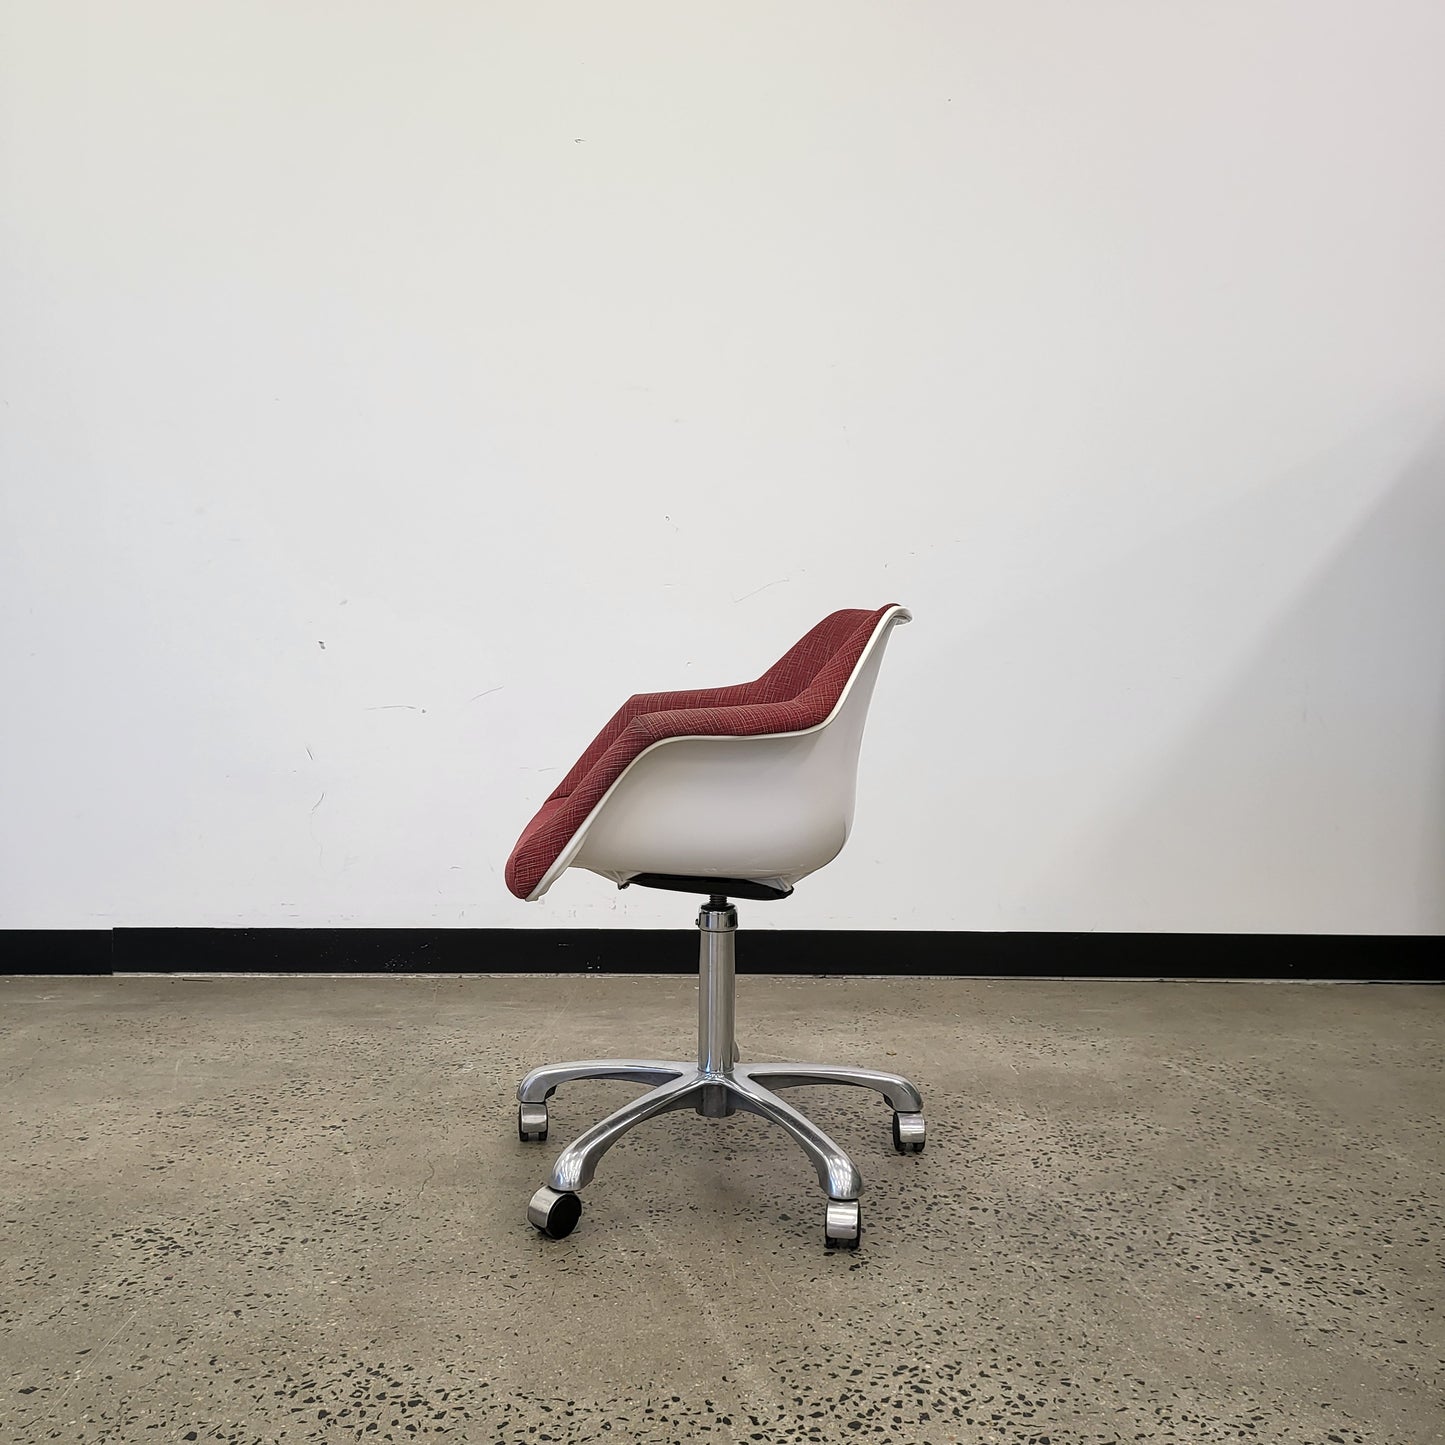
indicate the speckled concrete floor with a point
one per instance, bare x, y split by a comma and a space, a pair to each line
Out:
291, 1210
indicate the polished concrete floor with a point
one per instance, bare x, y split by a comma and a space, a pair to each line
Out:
254, 1210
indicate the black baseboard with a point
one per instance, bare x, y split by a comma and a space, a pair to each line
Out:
1406, 958
56, 950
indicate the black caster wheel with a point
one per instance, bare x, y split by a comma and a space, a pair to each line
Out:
554, 1213
908, 1133
843, 1224
532, 1123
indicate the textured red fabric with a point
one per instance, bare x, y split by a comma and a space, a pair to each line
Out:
796, 692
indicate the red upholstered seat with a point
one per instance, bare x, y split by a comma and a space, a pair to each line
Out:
797, 692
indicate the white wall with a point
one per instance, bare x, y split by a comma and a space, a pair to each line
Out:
528, 355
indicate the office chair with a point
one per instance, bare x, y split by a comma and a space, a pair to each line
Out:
730, 792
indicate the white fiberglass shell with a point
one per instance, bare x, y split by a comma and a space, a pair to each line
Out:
771, 808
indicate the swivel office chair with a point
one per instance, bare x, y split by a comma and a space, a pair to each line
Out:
732, 792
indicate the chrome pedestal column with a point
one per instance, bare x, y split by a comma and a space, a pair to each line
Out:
716, 1086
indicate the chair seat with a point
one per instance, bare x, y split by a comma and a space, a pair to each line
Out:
797, 693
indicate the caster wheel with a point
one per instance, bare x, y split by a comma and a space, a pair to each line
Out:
532, 1123
908, 1133
843, 1225
554, 1213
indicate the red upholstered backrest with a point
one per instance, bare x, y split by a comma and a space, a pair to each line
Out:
797, 692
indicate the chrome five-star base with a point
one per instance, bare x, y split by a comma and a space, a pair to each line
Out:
716, 1086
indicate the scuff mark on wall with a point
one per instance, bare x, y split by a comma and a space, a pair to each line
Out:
777, 582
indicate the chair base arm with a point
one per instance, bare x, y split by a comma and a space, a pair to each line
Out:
748, 1087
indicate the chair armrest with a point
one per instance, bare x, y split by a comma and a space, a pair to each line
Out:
643, 704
